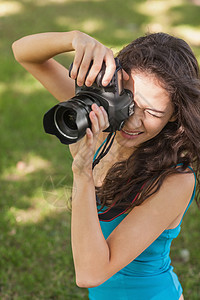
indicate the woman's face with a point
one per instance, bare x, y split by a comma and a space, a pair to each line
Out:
153, 110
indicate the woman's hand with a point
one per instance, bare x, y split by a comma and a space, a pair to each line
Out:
83, 151
88, 49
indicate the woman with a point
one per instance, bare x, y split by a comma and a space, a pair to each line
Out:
146, 180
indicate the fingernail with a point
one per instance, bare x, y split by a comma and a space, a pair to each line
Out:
88, 83
92, 114
95, 106
105, 82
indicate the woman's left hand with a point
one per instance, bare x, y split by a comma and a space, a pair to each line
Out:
83, 151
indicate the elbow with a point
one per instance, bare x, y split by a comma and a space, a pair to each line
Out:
88, 282
16, 52
89, 277
14, 49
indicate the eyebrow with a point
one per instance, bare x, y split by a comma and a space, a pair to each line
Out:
148, 102
155, 110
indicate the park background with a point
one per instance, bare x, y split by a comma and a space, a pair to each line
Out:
35, 253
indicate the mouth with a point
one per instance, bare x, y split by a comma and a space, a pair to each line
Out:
130, 134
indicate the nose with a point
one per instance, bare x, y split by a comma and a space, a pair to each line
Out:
136, 120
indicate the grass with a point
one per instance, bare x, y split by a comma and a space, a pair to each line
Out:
36, 259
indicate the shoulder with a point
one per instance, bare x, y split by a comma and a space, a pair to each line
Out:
179, 185
173, 196
168, 203
187, 178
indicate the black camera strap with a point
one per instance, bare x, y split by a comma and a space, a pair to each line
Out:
105, 149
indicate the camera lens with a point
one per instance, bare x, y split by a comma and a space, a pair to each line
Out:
65, 121
69, 118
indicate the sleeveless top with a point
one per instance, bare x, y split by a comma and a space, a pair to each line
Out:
150, 276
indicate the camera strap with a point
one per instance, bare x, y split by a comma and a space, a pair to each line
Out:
107, 145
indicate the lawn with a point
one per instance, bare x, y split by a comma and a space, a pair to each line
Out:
35, 181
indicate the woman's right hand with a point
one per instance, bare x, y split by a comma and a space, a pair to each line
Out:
88, 49
35, 53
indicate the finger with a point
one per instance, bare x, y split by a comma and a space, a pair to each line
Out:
110, 68
101, 116
99, 52
105, 115
84, 66
94, 122
94, 71
76, 63
89, 135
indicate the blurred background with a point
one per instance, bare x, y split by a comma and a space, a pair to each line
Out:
35, 177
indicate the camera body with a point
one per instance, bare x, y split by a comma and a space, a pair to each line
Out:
69, 120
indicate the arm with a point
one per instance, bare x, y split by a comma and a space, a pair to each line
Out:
35, 53
97, 259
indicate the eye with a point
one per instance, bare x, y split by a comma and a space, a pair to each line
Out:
153, 114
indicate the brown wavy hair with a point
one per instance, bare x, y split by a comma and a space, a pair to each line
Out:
177, 146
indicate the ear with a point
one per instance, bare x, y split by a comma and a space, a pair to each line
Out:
173, 118
125, 75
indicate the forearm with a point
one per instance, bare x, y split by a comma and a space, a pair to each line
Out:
35, 53
89, 247
40, 47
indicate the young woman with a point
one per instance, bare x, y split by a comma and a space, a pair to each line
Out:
146, 182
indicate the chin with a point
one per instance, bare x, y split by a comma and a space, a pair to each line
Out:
126, 143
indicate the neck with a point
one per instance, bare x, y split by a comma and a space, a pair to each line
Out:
120, 152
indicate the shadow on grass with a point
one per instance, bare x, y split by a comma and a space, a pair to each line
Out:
187, 14
100, 18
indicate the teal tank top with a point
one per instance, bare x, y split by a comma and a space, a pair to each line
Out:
148, 277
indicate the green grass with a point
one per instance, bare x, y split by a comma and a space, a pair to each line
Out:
35, 181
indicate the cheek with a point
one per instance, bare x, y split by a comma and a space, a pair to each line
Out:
153, 127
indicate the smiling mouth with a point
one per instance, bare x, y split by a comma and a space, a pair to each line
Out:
132, 133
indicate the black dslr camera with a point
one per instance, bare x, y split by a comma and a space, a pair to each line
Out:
69, 120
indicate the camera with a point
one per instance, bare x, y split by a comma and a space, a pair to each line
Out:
69, 120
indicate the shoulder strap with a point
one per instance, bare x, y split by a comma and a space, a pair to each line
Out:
193, 194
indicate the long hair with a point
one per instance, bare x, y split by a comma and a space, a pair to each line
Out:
177, 146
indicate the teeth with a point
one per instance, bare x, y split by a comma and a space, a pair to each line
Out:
131, 133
